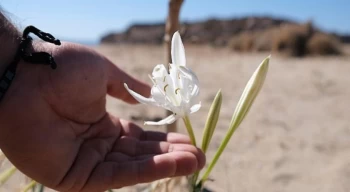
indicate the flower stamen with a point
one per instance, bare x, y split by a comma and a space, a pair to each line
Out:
176, 90
165, 87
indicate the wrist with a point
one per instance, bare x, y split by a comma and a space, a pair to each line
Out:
10, 39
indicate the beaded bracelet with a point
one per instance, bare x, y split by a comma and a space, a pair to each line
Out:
33, 58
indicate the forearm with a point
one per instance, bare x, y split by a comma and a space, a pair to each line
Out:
9, 42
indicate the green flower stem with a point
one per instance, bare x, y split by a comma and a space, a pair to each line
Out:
29, 186
216, 157
194, 179
4, 176
189, 130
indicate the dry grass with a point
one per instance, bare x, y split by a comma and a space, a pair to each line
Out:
288, 40
243, 42
323, 44
292, 39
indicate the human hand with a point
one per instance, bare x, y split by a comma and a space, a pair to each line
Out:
55, 128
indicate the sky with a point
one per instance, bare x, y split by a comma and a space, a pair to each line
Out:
89, 20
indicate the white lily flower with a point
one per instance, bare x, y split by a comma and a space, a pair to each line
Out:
176, 90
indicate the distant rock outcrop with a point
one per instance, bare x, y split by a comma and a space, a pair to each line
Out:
138, 33
243, 34
288, 39
212, 31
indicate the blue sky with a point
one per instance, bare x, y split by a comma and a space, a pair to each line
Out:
88, 20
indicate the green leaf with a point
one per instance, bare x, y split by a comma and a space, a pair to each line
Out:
213, 117
245, 102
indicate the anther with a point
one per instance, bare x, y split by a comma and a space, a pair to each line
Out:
165, 87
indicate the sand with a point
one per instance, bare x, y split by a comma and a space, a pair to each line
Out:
296, 136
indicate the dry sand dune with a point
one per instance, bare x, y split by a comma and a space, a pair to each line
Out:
297, 134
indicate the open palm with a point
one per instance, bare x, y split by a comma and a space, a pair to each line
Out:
55, 128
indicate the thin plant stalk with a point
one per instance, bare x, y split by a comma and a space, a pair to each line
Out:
190, 130
194, 179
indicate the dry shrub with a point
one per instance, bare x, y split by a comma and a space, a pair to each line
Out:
292, 39
264, 39
242, 42
323, 44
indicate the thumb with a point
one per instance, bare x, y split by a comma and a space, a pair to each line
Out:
116, 80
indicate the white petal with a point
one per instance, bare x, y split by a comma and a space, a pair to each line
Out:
140, 98
177, 50
194, 82
189, 74
160, 98
176, 82
195, 91
174, 74
159, 71
195, 108
168, 120
158, 95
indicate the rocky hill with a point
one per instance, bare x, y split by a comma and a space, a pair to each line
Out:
213, 31
244, 35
